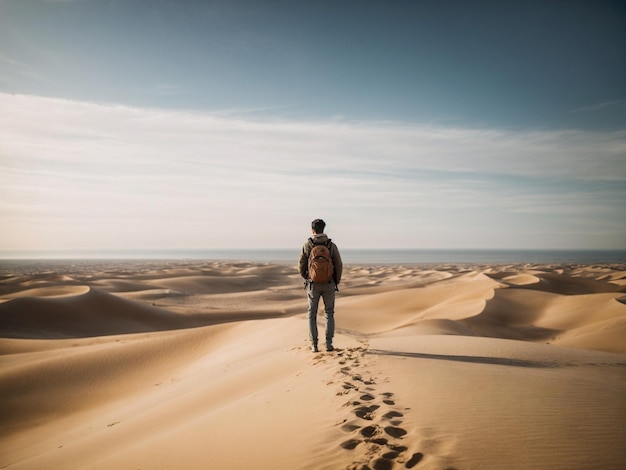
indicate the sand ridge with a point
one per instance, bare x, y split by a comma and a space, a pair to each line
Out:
192, 364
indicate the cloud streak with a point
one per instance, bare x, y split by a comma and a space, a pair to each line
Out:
599, 106
73, 170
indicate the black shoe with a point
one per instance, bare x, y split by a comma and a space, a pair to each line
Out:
314, 347
329, 347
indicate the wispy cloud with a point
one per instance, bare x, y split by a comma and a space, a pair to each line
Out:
166, 89
71, 171
599, 106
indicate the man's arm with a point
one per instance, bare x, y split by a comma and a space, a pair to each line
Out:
337, 263
303, 262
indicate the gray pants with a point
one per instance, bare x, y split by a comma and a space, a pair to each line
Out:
327, 293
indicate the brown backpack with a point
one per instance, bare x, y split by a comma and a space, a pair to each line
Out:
320, 263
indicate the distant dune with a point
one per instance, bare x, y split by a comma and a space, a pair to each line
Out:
195, 365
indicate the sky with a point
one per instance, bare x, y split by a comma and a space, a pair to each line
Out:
163, 124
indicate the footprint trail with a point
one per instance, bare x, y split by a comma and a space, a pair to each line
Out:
373, 419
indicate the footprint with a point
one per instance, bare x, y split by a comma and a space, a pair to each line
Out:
383, 464
414, 460
391, 455
381, 441
350, 427
392, 414
395, 432
350, 444
369, 431
364, 412
367, 397
363, 415
398, 449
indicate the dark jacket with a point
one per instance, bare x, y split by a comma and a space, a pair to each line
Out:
303, 263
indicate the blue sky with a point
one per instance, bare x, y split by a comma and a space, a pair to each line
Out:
232, 124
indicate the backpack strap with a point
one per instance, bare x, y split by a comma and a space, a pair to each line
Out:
326, 243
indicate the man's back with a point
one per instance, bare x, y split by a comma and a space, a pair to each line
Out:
322, 239
322, 287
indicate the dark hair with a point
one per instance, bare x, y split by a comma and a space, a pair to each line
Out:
318, 225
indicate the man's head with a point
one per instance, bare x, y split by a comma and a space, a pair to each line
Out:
318, 226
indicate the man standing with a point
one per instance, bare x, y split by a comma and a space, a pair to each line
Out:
322, 274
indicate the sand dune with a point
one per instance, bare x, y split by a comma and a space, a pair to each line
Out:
191, 365
90, 313
56, 291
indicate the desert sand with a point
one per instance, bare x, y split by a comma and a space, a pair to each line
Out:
206, 365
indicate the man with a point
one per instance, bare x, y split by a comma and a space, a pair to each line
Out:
326, 289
